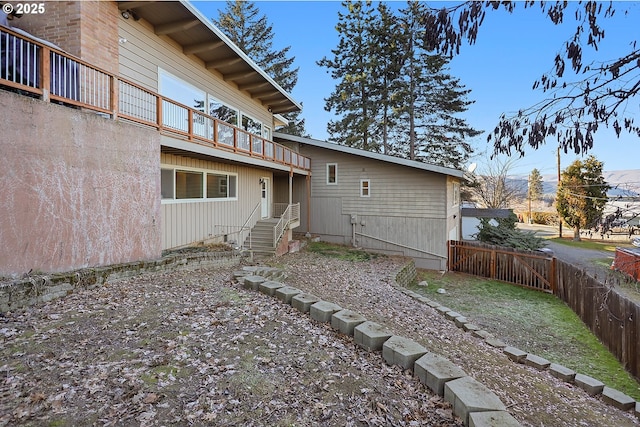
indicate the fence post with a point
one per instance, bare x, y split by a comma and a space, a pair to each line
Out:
492, 264
449, 255
553, 279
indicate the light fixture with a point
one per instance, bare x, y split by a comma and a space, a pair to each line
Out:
126, 14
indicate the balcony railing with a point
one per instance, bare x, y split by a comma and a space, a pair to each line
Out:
39, 69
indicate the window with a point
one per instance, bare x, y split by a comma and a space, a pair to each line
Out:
166, 184
180, 184
251, 125
189, 185
332, 173
222, 111
365, 188
221, 186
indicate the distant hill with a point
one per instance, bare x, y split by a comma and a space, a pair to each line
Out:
624, 182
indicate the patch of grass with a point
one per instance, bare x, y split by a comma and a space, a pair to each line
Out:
587, 244
341, 252
533, 321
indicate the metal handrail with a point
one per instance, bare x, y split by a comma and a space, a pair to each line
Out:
245, 225
291, 213
37, 67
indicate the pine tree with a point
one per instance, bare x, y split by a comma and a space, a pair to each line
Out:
392, 96
582, 194
535, 185
354, 96
251, 32
433, 99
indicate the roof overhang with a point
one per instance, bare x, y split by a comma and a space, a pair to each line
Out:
184, 23
283, 137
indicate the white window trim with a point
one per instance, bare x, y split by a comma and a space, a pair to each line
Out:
328, 165
368, 181
204, 185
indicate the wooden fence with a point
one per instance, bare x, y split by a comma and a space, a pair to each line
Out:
612, 317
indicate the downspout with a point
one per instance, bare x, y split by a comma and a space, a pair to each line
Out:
290, 186
309, 203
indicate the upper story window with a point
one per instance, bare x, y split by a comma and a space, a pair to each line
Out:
251, 125
222, 111
365, 188
194, 184
178, 90
332, 173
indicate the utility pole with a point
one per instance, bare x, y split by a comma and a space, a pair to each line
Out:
529, 197
558, 187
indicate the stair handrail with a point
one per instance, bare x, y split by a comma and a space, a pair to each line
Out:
244, 226
286, 219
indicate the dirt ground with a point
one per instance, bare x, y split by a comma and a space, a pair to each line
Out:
194, 348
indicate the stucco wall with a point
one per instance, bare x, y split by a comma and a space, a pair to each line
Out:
78, 190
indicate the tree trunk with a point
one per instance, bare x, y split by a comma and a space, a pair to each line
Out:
576, 234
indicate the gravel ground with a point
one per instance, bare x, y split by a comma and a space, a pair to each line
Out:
193, 348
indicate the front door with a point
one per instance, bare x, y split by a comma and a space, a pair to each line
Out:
264, 197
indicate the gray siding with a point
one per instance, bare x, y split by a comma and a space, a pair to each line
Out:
187, 222
407, 209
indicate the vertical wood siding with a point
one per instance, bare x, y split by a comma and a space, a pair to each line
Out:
144, 52
187, 222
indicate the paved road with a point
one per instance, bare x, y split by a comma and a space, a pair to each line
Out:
584, 258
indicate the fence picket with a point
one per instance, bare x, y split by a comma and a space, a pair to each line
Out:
610, 316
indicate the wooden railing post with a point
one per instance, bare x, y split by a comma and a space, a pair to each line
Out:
190, 123
159, 112
115, 92
45, 73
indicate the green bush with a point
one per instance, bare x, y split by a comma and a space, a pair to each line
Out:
544, 218
506, 234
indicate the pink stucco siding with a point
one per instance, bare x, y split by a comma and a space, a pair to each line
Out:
77, 190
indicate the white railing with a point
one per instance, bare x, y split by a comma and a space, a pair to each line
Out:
290, 214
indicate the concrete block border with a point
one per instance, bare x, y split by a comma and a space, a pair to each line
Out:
591, 386
466, 395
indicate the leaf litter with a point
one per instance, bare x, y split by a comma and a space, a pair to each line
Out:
194, 348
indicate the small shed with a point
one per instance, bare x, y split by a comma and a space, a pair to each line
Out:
627, 260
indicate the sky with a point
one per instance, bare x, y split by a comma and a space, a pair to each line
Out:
511, 52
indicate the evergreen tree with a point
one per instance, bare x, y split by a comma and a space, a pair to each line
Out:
391, 94
251, 32
535, 185
582, 194
433, 99
354, 96
386, 69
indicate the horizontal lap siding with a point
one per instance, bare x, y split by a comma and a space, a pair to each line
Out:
144, 52
185, 223
407, 206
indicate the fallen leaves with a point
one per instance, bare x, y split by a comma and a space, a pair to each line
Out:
193, 348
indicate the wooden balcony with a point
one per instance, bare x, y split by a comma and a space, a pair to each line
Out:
35, 68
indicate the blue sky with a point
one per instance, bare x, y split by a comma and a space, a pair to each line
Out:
511, 52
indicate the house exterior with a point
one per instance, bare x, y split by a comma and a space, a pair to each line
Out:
378, 202
168, 140
130, 128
